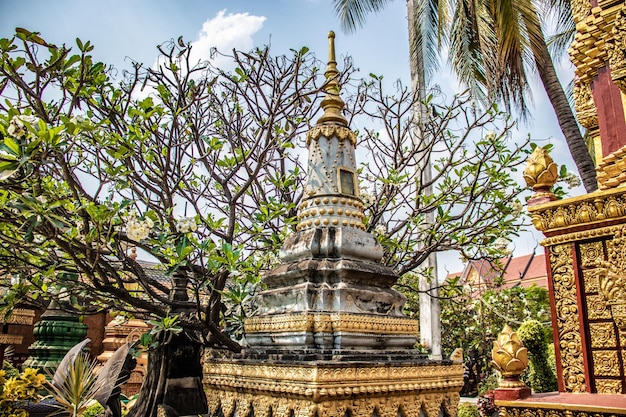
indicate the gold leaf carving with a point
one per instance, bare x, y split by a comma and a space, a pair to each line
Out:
583, 103
591, 254
328, 131
606, 363
608, 386
615, 50
602, 335
590, 277
567, 318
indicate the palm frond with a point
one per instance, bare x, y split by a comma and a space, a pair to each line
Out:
560, 42
353, 13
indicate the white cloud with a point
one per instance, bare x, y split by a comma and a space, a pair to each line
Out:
225, 32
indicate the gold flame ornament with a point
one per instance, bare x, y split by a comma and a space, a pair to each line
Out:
510, 357
541, 173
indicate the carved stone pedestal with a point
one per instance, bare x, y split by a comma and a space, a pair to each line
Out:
359, 384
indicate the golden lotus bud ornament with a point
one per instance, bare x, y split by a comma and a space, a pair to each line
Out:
541, 173
509, 357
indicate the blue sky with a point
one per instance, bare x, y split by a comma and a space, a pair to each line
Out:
133, 28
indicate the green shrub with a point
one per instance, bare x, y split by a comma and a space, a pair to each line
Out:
488, 384
93, 410
17, 389
467, 410
540, 375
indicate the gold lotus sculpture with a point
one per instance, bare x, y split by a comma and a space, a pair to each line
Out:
541, 171
510, 357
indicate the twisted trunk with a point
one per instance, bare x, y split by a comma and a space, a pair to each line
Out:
564, 113
173, 378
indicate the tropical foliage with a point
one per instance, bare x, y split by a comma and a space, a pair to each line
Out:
474, 320
492, 47
16, 390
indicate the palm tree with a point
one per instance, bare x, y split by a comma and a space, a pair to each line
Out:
423, 60
491, 45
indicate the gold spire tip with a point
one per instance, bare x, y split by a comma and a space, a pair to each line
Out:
331, 47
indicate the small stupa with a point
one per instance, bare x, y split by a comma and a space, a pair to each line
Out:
330, 337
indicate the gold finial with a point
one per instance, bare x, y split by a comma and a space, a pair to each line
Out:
332, 103
541, 174
509, 357
331, 47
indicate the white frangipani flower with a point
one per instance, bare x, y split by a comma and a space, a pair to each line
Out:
186, 224
490, 136
137, 229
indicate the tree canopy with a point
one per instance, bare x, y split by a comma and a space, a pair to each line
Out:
199, 170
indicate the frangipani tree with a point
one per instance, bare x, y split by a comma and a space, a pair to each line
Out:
199, 170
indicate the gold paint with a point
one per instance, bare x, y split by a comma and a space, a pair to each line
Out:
21, 316
331, 389
590, 278
583, 103
541, 171
612, 277
343, 322
606, 363
509, 357
602, 335
332, 103
570, 343
591, 254
608, 386
546, 409
10, 339
589, 210
597, 308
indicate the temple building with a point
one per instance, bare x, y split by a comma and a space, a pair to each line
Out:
585, 236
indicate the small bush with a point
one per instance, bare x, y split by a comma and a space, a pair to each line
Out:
93, 410
540, 375
467, 410
488, 384
17, 389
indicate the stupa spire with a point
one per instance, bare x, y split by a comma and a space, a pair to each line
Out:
332, 104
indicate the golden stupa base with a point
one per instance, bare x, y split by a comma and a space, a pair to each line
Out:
331, 387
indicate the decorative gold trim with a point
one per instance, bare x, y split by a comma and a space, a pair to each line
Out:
611, 170
21, 316
605, 363
329, 131
608, 386
331, 323
543, 409
331, 210
11, 339
570, 343
588, 51
615, 50
583, 103
332, 379
590, 211
602, 335
407, 405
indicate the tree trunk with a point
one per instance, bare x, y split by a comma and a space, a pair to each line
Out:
564, 113
430, 313
173, 378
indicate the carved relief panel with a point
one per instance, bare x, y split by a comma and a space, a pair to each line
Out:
604, 352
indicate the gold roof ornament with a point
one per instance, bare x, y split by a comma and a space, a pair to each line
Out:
332, 104
510, 358
541, 173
